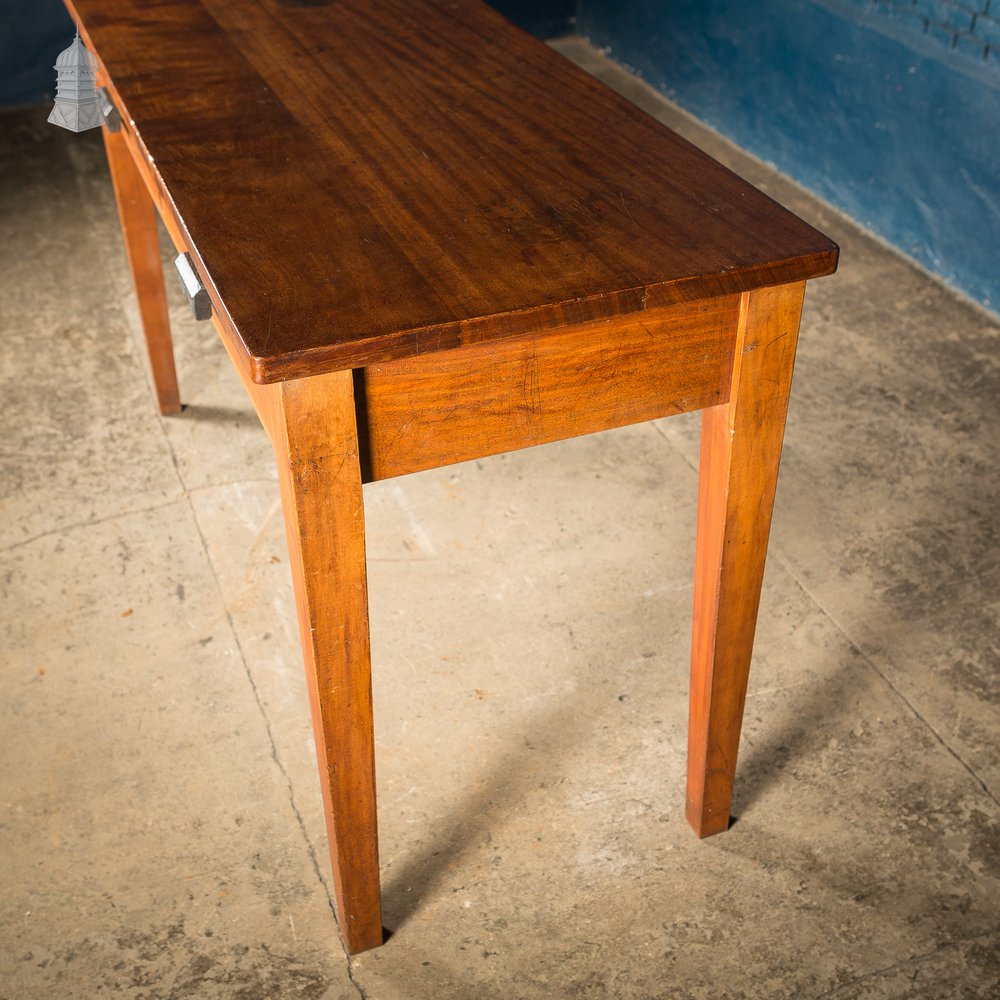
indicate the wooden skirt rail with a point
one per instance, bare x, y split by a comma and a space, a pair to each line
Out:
421, 413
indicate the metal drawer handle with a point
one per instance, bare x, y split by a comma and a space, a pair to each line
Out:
109, 113
196, 292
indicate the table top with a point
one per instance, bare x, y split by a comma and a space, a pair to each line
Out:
372, 179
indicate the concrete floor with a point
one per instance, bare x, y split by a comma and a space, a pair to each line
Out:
161, 833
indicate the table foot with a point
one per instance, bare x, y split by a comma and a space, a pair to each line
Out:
740, 450
315, 440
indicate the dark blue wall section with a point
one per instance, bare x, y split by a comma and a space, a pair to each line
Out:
899, 131
545, 18
32, 34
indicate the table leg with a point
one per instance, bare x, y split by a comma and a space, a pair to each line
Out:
315, 438
142, 245
740, 450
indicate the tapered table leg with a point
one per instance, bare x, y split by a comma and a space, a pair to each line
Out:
740, 450
138, 221
315, 438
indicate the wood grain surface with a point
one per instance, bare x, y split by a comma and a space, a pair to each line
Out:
364, 180
313, 431
142, 247
422, 413
740, 452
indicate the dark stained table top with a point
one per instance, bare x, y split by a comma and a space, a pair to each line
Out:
369, 179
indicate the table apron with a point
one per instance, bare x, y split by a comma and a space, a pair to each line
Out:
483, 399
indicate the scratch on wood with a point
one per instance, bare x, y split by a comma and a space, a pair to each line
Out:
621, 197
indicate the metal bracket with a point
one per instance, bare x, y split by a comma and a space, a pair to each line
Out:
109, 113
196, 292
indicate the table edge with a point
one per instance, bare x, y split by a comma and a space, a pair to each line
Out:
411, 342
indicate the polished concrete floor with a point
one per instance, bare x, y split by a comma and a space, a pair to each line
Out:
161, 832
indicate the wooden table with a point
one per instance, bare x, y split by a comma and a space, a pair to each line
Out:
426, 238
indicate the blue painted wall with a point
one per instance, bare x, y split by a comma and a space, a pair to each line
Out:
544, 18
32, 34
883, 112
